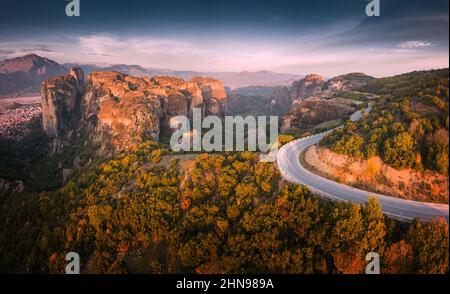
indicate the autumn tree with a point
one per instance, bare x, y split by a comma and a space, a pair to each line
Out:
398, 259
430, 246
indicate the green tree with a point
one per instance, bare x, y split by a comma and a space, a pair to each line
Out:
400, 151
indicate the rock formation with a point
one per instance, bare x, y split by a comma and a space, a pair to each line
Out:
309, 112
119, 111
311, 85
78, 74
281, 99
347, 82
114, 111
60, 98
214, 95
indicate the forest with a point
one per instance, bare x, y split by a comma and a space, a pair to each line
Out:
219, 213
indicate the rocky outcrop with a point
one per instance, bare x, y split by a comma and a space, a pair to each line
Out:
309, 112
78, 74
119, 111
60, 98
281, 99
347, 82
214, 95
114, 111
311, 85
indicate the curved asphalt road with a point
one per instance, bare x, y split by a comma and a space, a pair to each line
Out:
288, 159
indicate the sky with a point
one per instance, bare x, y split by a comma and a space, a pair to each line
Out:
328, 37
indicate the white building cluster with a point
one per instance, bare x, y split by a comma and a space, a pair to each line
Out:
15, 121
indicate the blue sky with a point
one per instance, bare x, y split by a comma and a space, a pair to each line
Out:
328, 37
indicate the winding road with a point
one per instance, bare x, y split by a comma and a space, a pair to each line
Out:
288, 160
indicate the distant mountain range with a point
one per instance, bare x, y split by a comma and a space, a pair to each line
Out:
23, 75
232, 80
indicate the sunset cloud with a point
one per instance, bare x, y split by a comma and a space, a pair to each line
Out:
298, 37
414, 44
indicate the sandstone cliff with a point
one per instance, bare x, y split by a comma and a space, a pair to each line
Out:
214, 95
60, 98
114, 111
119, 111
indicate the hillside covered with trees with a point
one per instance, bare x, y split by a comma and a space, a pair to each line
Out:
408, 126
223, 213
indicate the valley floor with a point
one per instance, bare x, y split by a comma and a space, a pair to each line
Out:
22, 100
